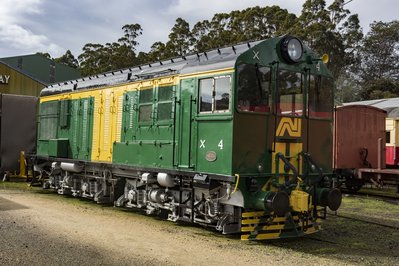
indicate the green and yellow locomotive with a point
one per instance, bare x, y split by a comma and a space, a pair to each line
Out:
238, 139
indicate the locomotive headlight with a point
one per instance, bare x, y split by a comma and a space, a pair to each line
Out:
291, 49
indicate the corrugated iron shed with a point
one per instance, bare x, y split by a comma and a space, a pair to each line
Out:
390, 105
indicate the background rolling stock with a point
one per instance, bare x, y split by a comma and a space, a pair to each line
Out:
18, 114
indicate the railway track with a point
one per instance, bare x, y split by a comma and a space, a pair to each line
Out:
386, 196
352, 218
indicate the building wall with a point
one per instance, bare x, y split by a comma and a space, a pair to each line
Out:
14, 82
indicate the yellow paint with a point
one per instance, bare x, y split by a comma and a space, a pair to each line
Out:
118, 124
108, 107
133, 86
237, 181
252, 214
98, 112
291, 126
224, 71
295, 149
261, 226
22, 164
261, 217
288, 127
299, 201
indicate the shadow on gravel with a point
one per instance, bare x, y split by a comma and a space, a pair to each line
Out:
8, 205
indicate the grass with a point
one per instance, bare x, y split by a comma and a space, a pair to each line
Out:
370, 208
390, 192
18, 185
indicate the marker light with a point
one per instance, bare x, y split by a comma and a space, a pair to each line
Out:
291, 49
325, 58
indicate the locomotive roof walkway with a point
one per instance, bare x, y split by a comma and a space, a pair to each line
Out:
197, 62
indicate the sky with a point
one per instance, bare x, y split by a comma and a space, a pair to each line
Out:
30, 26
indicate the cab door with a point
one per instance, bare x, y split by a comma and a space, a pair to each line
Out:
185, 124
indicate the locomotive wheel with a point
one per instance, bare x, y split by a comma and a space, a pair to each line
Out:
353, 184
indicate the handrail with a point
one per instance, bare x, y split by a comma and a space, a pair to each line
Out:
313, 166
287, 166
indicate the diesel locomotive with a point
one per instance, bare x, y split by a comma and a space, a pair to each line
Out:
238, 139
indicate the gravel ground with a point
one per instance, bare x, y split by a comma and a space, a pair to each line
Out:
40, 228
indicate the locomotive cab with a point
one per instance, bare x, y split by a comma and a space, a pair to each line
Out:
283, 136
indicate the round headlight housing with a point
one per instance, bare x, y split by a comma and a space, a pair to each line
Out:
291, 49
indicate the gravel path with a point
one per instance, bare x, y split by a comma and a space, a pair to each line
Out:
48, 229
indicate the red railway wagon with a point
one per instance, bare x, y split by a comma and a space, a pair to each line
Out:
359, 144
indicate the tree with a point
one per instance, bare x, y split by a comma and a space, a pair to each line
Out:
158, 52
179, 39
132, 31
98, 58
379, 72
330, 30
92, 59
347, 89
46, 55
68, 59
254, 23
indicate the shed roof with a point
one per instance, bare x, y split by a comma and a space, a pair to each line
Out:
41, 68
23, 72
390, 105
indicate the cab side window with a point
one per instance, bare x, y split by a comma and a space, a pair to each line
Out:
214, 94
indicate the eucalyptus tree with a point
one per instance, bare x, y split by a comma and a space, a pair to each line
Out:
98, 58
68, 59
379, 71
331, 30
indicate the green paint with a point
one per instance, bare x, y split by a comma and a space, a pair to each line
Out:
147, 140
65, 128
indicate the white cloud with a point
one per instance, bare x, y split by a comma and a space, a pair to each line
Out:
14, 31
205, 9
20, 38
10, 10
28, 26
